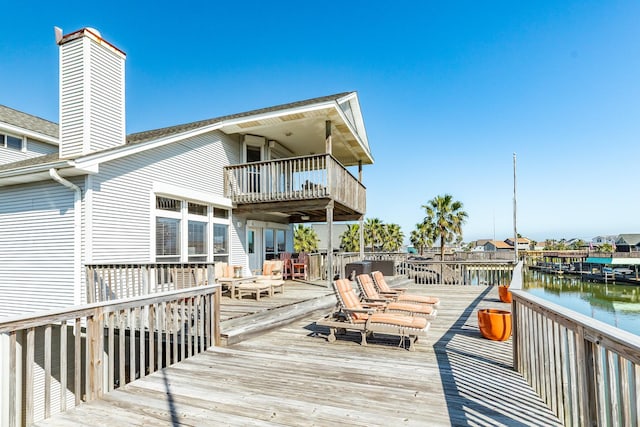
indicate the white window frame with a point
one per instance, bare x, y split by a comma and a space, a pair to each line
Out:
3, 141
185, 196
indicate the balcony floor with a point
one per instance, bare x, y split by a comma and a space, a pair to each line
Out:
292, 376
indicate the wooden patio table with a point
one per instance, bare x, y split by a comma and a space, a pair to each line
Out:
232, 282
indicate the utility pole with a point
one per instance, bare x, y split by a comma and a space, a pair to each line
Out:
515, 227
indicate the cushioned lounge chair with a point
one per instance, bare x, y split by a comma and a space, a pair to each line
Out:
351, 314
369, 294
272, 275
399, 293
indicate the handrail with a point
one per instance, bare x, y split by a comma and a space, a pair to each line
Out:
101, 346
586, 371
110, 281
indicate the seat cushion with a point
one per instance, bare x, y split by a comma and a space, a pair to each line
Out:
399, 320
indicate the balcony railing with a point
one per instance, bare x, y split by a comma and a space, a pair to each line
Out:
298, 178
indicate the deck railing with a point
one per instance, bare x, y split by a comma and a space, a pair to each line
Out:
458, 272
60, 358
297, 178
586, 371
106, 282
429, 272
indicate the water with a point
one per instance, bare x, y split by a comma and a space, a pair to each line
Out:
615, 304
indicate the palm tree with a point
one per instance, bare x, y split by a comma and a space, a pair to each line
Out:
422, 236
577, 245
605, 247
393, 238
350, 239
373, 231
447, 217
305, 239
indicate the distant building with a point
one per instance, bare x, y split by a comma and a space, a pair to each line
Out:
523, 243
497, 246
598, 240
627, 242
540, 246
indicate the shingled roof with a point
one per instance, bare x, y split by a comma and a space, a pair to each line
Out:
15, 117
27, 121
174, 130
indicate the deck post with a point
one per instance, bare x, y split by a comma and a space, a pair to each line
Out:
330, 244
361, 238
514, 334
328, 141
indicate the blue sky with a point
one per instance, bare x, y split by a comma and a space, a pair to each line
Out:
449, 91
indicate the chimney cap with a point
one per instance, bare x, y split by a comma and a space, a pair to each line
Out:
92, 33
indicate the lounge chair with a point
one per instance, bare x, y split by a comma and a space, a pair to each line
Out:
369, 294
399, 293
351, 314
272, 275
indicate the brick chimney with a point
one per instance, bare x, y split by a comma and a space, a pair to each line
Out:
91, 93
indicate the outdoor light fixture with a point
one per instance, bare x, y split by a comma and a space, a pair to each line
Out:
304, 217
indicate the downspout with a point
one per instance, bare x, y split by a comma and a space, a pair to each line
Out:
77, 229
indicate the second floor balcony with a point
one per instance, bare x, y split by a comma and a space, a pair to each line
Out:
301, 187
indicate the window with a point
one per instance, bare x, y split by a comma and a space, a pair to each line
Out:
220, 242
220, 213
197, 209
206, 229
9, 141
167, 204
268, 243
274, 242
168, 239
280, 241
251, 242
197, 241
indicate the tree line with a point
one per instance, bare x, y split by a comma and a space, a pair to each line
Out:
442, 223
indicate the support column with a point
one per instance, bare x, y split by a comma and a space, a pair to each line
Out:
330, 244
360, 171
361, 238
327, 137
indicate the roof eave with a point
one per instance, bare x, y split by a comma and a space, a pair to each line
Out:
40, 172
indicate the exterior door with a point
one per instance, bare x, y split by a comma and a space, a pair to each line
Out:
253, 154
255, 248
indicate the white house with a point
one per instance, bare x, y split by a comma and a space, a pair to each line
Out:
224, 189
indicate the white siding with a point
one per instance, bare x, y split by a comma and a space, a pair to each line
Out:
36, 248
37, 148
72, 102
91, 97
8, 155
34, 149
106, 125
122, 211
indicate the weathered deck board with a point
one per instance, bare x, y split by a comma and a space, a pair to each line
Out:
292, 376
232, 308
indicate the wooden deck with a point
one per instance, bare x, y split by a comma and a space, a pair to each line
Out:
292, 376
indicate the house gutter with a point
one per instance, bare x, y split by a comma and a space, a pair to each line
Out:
77, 230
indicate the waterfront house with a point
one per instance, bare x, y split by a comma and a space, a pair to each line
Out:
224, 189
523, 243
628, 243
497, 246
